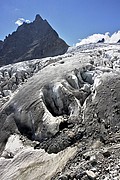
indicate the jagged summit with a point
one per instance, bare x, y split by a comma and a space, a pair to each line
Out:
38, 18
31, 41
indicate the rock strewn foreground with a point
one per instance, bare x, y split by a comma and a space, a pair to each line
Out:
71, 102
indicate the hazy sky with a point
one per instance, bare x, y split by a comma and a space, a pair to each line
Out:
72, 19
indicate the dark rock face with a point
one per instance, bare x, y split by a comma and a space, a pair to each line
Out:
118, 41
1, 44
31, 41
101, 41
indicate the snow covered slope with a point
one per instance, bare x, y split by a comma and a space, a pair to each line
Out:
106, 38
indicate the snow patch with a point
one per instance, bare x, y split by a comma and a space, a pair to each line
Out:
114, 38
13, 145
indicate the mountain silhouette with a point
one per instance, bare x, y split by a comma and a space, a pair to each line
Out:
31, 41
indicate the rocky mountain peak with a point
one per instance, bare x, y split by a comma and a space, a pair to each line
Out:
31, 41
38, 18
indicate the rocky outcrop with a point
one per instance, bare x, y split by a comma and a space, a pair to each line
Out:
118, 41
101, 41
34, 40
69, 101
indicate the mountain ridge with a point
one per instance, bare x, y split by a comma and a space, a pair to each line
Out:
31, 41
